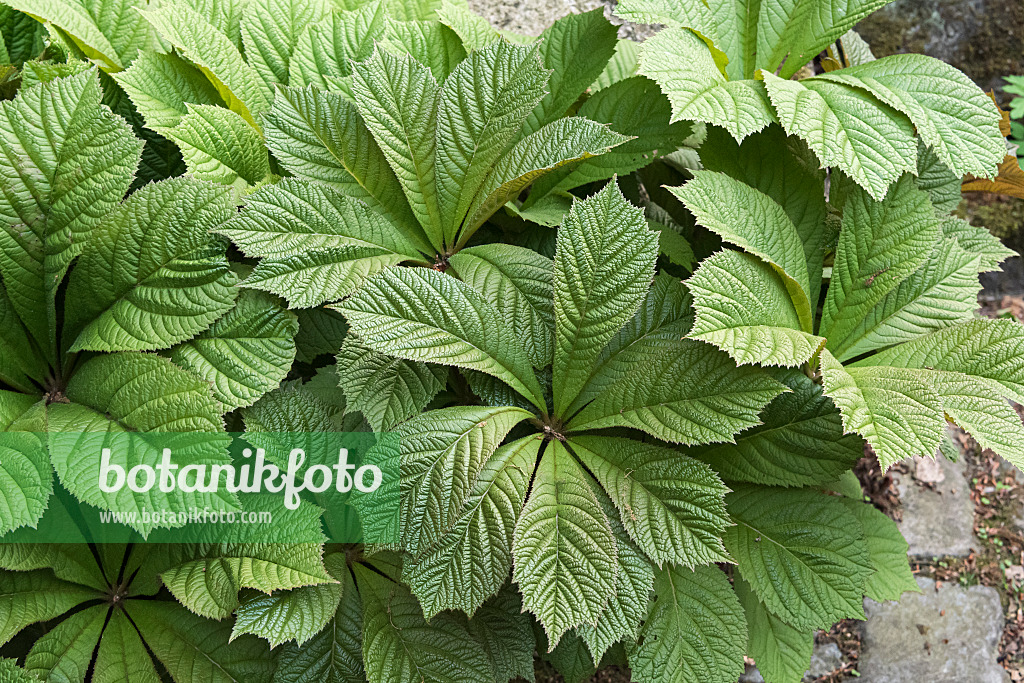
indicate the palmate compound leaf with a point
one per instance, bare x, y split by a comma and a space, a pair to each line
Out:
471, 559
64, 652
782, 652
66, 162
691, 393
481, 108
244, 354
565, 556
319, 135
28, 597
397, 98
672, 506
801, 442
695, 630
192, 648
443, 454
399, 646
217, 57
743, 307
685, 67
802, 552
424, 315
297, 614
386, 390
880, 244
604, 262
517, 282
153, 276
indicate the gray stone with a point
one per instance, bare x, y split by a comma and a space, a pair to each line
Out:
533, 16
949, 635
937, 520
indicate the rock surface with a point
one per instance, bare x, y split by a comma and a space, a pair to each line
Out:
825, 659
533, 16
949, 635
938, 520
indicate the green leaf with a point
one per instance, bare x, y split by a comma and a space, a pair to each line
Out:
21, 35
672, 506
576, 49
191, 647
506, 634
940, 293
246, 353
976, 240
215, 55
571, 658
26, 476
802, 552
66, 162
941, 184
220, 146
801, 442
397, 98
153, 276
386, 390
756, 223
161, 85
65, 652
133, 389
270, 31
880, 244
443, 453
335, 655
782, 653
557, 145
320, 136
633, 107
744, 308
206, 579
685, 68
471, 560
20, 361
782, 168
122, 656
474, 31
621, 66
517, 282
72, 562
887, 551
566, 560
326, 50
949, 112
423, 315
662, 320
111, 32
429, 42
604, 263
627, 608
896, 410
28, 597
321, 331
847, 128
297, 614
690, 393
481, 109
695, 631
399, 646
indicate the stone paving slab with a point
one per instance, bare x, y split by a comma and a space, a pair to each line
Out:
825, 659
938, 520
949, 635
